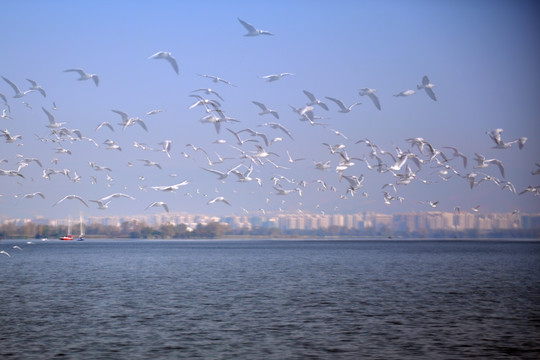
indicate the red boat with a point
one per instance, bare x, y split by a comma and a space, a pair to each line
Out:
68, 236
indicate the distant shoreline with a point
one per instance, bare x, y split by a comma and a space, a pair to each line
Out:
297, 238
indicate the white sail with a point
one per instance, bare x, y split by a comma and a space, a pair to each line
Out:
81, 226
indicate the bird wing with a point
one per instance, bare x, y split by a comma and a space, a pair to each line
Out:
12, 84
173, 63
338, 102
49, 115
261, 105
248, 27
80, 71
430, 93
309, 95
425, 80
124, 116
80, 199
96, 79
499, 164
143, 125
375, 100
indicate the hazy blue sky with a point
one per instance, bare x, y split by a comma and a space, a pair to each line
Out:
482, 56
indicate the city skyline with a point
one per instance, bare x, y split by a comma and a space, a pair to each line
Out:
484, 75
408, 222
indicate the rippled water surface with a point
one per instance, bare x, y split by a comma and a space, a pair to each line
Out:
270, 300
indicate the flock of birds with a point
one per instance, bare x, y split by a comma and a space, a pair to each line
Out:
252, 149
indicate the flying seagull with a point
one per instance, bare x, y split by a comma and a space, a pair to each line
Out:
314, 101
371, 94
252, 31
18, 93
69, 197
37, 87
167, 56
428, 87
265, 110
342, 108
219, 198
275, 77
84, 75
158, 203
405, 93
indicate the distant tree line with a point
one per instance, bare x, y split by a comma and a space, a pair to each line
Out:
140, 230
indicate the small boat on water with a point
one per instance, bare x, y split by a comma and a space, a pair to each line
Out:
81, 232
69, 236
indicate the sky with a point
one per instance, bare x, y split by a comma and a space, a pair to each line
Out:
482, 56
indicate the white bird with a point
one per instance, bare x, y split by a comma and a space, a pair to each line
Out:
37, 87
209, 91
265, 110
170, 188
127, 121
5, 253
84, 75
220, 199
116, 195
197, 148
256, 133
532, 189
221, 175
31, 195
482, 162
239, 141
314, 101
274, 125
456, 153
537, 170
204, 102
405, 93
4, 98
252, 31
16, 247
69, 197
216, 79
428, 87
371, 94
342, 108
52, 122
166, 147
158, 203
5, 115
10, 138
275, 77
102, 205
153, 112
18, 93
291, 160
167, 56
105, 123
322, 166
495, 135
151, 163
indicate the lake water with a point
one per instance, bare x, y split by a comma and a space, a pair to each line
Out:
254, 299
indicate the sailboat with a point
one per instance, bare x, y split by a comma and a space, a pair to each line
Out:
81, 233
68, 236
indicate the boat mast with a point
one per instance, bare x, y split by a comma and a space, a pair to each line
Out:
81, 225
